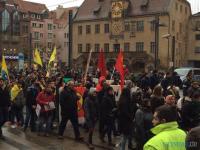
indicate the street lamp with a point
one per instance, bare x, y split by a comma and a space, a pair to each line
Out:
167, 36
157, 25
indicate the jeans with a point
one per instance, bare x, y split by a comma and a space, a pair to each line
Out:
108, 128
123, 142
74, 121
45, 118
18, 113
30, 117
3, 118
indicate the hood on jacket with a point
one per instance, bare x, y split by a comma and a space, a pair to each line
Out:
99, 86
164, 127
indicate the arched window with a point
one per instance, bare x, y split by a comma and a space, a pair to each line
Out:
16, 16
5, 20
16, 27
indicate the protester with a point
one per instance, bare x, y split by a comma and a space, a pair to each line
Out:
193, 139
167, 134
157, 98
69, 110
190, 112
46, 100
108, 106
143, 121
18, 102
91, 114
166, 82
170, 100
4, 105
176, 81
125, 116
31, 95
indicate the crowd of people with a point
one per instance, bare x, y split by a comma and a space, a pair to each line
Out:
151, 111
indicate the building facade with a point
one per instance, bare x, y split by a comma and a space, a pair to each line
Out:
60, 18
138, 27
22, 28
193, 52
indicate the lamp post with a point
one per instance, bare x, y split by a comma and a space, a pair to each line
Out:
168, 36
156, 53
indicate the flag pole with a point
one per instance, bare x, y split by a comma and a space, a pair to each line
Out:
87, 67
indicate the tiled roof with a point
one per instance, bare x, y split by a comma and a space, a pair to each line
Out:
196, 15
63, 19
25, 6
86, 10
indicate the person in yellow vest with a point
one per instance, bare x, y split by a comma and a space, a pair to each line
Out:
167, 134
18, 102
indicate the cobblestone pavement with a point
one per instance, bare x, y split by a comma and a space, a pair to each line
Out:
16, 139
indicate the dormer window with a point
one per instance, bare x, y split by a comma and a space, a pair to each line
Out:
32, 15
144, 4
97, 9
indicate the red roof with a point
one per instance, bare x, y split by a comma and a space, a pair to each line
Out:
25, 6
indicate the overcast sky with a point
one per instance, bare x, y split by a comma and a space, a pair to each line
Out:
52, 4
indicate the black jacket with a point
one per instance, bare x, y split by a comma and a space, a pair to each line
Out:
90, 108
125, 117
31, 95
68, 102
108, 106
4, 98
190, 114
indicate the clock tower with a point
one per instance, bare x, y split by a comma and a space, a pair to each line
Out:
118, 8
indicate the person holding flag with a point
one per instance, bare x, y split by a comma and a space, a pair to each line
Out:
4, 104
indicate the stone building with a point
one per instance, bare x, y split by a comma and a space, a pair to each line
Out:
60, 18
132, 25
193, 53
22, 28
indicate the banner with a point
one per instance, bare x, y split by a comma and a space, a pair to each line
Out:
81, 114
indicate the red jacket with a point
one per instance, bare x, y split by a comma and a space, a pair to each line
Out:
44, 99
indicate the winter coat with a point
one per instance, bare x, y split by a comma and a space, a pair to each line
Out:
156, 102
31, 95
193, 139
165, 83
68, 102
44, 99
154, 80
167, 137
4, 98
90, 108
177, 81
190, 114
143, 121
125, 115
19, 101
108, 106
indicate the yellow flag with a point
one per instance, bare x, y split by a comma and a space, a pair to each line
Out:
53, 56
37, 58
4, 69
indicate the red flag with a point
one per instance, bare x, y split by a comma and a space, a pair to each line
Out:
101, 63
120, 68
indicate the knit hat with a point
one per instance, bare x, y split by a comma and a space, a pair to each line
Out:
92, 90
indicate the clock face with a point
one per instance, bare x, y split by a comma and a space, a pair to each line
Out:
117, 8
